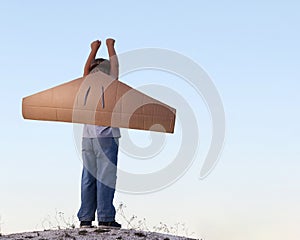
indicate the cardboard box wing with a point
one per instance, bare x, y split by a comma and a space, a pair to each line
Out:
97, 99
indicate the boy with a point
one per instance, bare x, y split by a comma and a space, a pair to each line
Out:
99, 150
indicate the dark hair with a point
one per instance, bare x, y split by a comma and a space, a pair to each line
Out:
102, 64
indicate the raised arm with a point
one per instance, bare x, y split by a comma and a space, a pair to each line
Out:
113, 58
94, 49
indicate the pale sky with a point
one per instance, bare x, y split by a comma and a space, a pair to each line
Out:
251, 51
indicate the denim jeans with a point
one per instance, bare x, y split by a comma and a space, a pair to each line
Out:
100, 156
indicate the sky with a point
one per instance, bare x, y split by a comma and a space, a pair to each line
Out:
250, 49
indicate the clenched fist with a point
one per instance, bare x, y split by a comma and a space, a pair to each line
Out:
95, 45
110, 42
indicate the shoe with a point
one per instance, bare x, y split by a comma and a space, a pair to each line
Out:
109, 224
86, 224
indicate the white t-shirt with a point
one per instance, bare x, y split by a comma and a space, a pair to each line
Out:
94, 131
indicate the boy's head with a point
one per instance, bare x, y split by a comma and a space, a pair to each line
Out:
100, 64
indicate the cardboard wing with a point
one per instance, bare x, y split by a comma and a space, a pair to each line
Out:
99, 100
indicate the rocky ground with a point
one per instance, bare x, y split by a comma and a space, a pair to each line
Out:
91, 234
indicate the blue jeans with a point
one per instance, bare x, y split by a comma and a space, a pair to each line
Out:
100, 156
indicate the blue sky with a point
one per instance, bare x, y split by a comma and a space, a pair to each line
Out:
251, 51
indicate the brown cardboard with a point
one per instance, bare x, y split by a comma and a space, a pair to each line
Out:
81, 101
